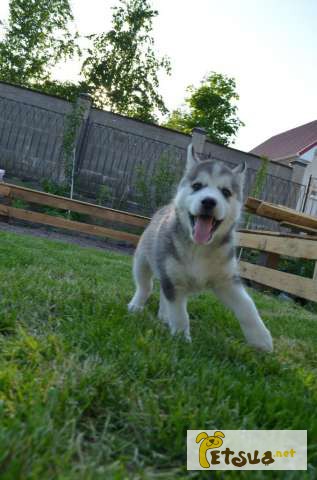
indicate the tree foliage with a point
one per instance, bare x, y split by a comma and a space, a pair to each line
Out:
211, 106
121, 69
37, 36
67, 90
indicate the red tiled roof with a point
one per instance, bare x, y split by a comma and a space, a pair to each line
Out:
290, 143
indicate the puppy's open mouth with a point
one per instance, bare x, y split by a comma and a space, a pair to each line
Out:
204, 226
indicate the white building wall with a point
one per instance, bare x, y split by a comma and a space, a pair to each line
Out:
311, 169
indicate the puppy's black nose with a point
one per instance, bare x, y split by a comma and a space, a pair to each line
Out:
209, 203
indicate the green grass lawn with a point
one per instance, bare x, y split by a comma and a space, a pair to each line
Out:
90, 392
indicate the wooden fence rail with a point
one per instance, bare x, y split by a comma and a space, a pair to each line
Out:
295, 246
286, 282
276, 244
290, 246
55, 201
282, 214
64, 203
302, 246
59, 222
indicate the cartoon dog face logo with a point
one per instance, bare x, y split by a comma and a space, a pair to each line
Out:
214, 441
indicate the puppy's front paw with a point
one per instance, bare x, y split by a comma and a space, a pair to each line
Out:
261, 340
188, 338
134, 307
181, 332
163, 317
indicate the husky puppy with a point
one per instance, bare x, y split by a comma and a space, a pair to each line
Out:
189, 246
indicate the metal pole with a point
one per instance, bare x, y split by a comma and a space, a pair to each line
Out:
73, 173
307, 194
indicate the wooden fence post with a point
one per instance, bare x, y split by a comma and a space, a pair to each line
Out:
5, 193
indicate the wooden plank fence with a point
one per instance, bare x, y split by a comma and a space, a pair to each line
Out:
298, 247
42, 198
284, 215
275, 244
301, 246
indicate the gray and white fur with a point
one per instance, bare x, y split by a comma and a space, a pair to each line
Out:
189, 246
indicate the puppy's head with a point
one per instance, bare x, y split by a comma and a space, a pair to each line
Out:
209, 197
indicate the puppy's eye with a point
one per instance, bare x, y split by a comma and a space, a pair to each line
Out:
226, 192
197, 186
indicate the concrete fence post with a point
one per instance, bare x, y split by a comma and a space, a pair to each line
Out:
81, 109
198, 139
84, 103
83, 106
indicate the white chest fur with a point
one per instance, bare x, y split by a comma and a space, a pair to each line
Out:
200, 268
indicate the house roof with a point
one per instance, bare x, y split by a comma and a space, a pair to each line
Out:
288, 144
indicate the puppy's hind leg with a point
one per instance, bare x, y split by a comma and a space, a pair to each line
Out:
162, 313
143, 280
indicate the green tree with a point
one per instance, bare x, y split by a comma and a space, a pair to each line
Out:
37, 36
67, 90
121, 69
211, 106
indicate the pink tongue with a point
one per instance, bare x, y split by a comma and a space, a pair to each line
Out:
202, 229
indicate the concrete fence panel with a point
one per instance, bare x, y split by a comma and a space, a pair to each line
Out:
111, 151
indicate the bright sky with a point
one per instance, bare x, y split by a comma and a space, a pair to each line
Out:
269, 46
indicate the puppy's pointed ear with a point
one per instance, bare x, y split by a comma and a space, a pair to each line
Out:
240, 170
192, 159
